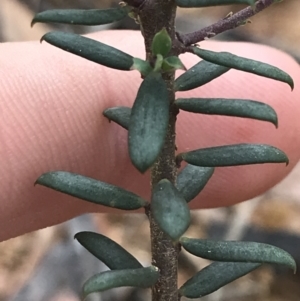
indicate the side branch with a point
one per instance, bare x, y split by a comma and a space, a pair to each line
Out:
135, 3
225, 24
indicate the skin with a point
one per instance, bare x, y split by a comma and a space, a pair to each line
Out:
51, 105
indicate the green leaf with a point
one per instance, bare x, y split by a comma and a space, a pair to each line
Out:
148, 122
158, 63
172, 63
142, 278
238, 251
206, 3
120, 115
170, 209
161, 43
142, 66
90, 49
229, 107
236, 154
91, 190
215, 276
199, 75
87, 17
108, 251
230, 60
192, 179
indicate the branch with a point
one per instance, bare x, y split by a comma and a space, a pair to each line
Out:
223, 25
135, 3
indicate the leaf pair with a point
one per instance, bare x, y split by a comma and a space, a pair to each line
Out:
238, 251
235, 259
214, 64
161, 47
126, 270
169, 203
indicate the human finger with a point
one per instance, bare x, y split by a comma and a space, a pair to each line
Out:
53, 102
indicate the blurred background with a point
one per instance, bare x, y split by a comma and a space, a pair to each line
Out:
48, 265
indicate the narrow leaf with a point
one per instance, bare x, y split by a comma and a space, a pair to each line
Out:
230, 60
87, 17
158, 63
108, 251
142, 278
120, 115
161, 43
206, 3
192, 179
236, 154
91, 190
215, 276
238, 251
170, 209
229, 107
148, 122
172, 63
90, 49
199, 75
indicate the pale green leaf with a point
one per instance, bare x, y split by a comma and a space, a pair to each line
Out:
148, 122
236, 154
90, 49
91, 190
199, 75
230, 60
142, 278
192, 179
108, 251
215, 276
229, 107
170, 209
88, 17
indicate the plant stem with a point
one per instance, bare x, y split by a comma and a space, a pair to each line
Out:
164, 251
155, 15
223, 25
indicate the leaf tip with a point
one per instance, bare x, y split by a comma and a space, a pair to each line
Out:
142, 168
39, 180
106, 114
43, 38
286, 160
33, 22
291, 83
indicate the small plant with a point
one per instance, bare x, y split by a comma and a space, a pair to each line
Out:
152, 145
